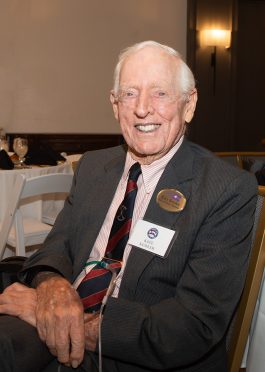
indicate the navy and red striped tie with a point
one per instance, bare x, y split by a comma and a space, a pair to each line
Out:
94, 286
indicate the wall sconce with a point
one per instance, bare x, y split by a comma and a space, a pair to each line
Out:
215, 38
221, 38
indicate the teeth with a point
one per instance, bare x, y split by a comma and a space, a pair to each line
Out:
147, 127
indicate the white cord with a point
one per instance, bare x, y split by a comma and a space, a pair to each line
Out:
104, 301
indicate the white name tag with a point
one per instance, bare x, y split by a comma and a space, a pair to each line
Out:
151, 237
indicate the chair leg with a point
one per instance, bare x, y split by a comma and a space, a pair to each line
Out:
19, 231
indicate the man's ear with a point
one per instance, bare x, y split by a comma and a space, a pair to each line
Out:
114, 103
190, 106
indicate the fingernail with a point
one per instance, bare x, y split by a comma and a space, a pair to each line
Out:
74, 364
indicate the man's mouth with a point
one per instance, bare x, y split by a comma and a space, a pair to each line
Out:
147, 128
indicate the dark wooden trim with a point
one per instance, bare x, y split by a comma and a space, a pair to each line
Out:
191, 34
71, 143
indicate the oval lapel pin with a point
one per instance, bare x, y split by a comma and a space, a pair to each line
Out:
171, 200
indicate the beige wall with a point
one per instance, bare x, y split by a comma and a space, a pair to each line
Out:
57, 58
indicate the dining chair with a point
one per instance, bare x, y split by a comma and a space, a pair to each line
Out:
231, 157
240, 327
18, 231
243, 159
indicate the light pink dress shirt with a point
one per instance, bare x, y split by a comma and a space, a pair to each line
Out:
146, 183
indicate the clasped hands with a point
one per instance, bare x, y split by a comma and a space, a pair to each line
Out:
55, 309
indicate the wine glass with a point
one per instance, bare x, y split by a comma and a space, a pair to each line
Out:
20, 146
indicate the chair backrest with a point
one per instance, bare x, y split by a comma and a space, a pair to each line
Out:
245, 311
231, 157
25, 188
242, 158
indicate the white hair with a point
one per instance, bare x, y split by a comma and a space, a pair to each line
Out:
186, 78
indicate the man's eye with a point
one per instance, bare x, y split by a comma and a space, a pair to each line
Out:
128, 94
160, 93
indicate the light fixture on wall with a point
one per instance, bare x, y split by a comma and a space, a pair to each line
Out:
215, 38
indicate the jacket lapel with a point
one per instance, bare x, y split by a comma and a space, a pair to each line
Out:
177, 175
112, 172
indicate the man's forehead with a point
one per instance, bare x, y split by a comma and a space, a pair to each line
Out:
153, 64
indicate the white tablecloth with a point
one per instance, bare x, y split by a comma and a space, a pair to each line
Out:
38, 207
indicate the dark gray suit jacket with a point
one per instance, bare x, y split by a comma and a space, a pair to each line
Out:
172, 313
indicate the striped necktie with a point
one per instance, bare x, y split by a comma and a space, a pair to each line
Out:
94, 286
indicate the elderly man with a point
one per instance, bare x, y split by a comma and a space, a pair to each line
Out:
188, 216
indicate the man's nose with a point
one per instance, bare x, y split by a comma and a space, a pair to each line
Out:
143, 105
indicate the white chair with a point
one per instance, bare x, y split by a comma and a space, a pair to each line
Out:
18, 231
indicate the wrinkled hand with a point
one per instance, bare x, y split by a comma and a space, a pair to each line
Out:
19, 300
60, 320
91, 331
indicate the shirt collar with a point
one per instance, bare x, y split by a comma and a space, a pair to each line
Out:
152, 171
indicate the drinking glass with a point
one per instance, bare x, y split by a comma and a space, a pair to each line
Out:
20, 146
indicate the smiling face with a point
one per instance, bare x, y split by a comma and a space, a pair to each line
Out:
149, 106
